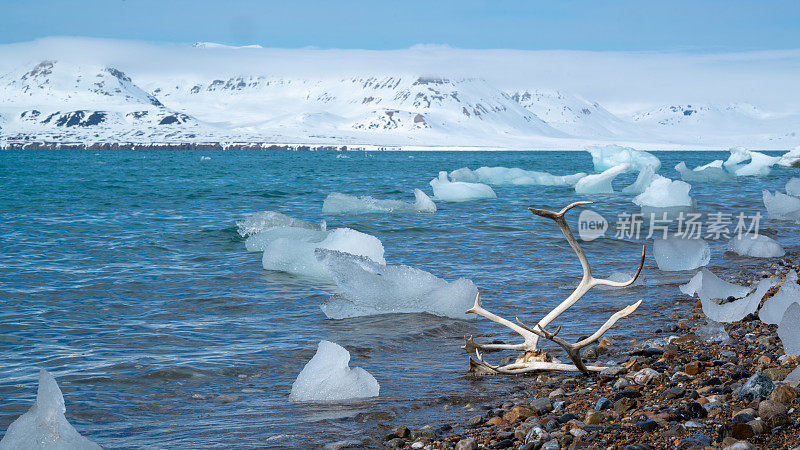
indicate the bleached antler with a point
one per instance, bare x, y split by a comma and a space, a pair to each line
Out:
534, 359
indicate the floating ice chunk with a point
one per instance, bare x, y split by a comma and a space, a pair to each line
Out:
205, 158
712, 332
600, 183
44, 426
755, 245
793, 187
733, 311
265, 220
665, 193
645, 177
369, 288
759, 165
790, 158
781, 206
260, 241
328, 377
341, 156
788, 330
504, 176
677, 253
337, 203
608, 156
709, 173
738, 156
295, 255
775, 307
459, 191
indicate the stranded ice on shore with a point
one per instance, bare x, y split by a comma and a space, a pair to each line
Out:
678, 253
459, 191
775, 307
328, 377
369, 288
755, 245
337, 203
44, 426
726, 302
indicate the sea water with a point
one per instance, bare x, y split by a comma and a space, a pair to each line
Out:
122, 273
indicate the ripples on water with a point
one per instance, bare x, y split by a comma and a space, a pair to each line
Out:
122, 274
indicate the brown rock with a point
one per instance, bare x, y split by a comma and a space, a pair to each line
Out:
693, 368
518, 413
402, 431
776, 373
495, 421
633, 365
769, 408
593, 418
741, 431
605, 343
685, 339
624, 404
764, 359
783, 394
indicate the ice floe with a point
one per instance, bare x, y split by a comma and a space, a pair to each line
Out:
678, 253
459, 191
710, 173
266, 220
328, 377
738, 156
790, 158
608, 156
514, 176
665, 193
600, 183
759, 165
645, 177
755, 245
723, 302
775, 307
781, 206
788, 330
44, 426
295, 254
337, 203
793, 187
369, 288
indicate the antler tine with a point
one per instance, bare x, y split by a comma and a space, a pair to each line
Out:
554, 215
529, 336
606, 282
628, 310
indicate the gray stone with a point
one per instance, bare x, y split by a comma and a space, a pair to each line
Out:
467, 444
551, 445
603, 403
741, 445
542, 404
612, 371
397, 443
559, 405
757, 387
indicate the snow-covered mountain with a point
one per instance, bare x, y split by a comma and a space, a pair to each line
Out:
220, 94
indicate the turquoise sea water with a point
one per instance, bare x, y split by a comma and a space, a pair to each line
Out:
122, 273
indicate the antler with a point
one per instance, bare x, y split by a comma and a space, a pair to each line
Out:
534, 359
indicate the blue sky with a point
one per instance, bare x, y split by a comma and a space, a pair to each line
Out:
675, 25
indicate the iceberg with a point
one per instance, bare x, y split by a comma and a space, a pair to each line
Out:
665, 193
644, 179
790, 158
759, 165
608, 156
337, 203
709, 173
369, 288
328, 377
775, 307
677, 253
781, 206
504, 176
738, 156
459, 191
793, 187
788, 330
295, 254
266, 220
44, 426
755, 245
732, 311
600, 183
